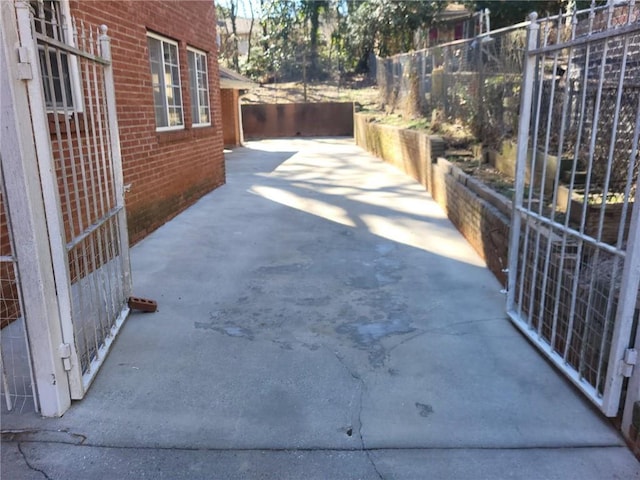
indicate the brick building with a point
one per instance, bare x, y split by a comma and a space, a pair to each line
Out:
171, 142
231, 86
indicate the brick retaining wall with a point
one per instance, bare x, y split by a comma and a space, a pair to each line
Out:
481, 215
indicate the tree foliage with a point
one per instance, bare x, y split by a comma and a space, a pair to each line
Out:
308, 39
509, 12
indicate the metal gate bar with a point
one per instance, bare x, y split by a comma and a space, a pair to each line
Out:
77, 139
18, 386
23, 202
82, 133
573, 274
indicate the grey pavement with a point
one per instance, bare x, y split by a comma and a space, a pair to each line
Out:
319, 318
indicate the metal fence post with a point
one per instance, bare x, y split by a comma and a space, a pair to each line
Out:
114, 139
423, 74
528, 77
25, 201
627, 303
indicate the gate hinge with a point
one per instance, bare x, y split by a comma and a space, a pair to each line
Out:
24, 64
65, 354
629, 360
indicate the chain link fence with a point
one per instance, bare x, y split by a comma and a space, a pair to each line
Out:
475, 82
590, 97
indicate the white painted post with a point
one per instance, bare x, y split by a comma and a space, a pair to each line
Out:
49, 183
526, 96
116, 157
627, 303
25, 206
240, 128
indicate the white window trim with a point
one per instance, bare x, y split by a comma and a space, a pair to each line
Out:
172, 42
206, 66
72, 62
74, 68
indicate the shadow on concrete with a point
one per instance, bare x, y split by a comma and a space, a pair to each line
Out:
320, 303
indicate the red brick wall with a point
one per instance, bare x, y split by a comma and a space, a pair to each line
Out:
230, 108
168, 171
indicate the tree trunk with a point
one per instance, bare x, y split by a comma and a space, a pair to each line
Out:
233, 14
253, 19
315, 26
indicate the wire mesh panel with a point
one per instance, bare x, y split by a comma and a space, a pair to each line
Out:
475, 82
570, 289
81, 139
18, 389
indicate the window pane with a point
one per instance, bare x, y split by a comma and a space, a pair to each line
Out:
161, 116
199, 87
165, 79
154, 50
55, 75
157, 81
175, 116
205, 99
193, 86
177, 96
170, 54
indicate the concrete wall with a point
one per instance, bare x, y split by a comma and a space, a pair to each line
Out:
297, 120
481, 215
168, 171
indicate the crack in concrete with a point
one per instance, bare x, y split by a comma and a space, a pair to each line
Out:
31, 467
328, 449
360, 380
439, 331
399, 344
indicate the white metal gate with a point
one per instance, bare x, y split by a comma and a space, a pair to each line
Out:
574, 259
67, 72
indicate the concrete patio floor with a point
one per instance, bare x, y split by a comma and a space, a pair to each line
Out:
319, 318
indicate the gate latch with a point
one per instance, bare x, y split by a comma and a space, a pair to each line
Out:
65, 354
628, 361
24, 64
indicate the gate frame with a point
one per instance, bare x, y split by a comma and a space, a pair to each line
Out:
24, 197
79, 382
621, 353
32, 195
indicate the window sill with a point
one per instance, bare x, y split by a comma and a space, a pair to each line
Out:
59, 119
174, 136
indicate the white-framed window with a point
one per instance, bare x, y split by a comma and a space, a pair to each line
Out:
199, 87
60, 71
165, 80
56, 79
